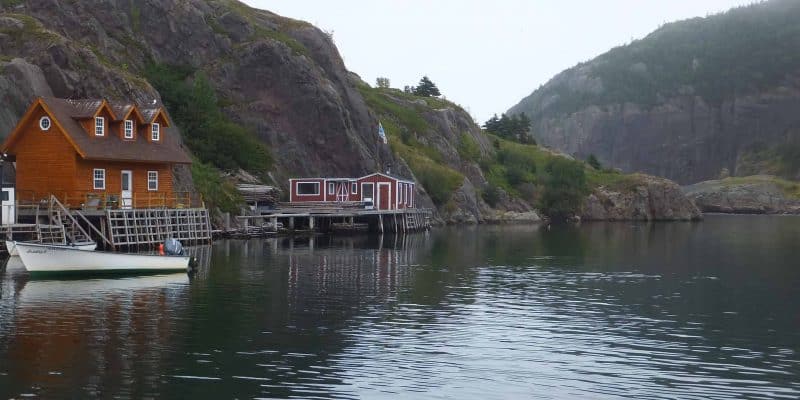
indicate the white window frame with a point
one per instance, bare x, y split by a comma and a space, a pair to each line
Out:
297, 188
102, 179
354, 188
408, 194
99, 126
150, 176
155, 132
128, 129
44, 120
331, 188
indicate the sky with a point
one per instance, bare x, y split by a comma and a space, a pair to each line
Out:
483, 55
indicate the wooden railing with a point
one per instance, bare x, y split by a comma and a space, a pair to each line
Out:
113, 201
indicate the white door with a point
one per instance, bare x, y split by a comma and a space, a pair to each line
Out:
126, 197
7, 206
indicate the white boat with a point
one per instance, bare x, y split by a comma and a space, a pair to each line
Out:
12, 248
49, 258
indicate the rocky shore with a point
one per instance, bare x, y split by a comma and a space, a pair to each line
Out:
642, 198
759, 194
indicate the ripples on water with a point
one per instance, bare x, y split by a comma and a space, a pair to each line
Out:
602, 311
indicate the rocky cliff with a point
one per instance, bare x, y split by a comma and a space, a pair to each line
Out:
760, 194
687, 101
281, 81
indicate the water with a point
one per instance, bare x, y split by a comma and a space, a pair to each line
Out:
694, 311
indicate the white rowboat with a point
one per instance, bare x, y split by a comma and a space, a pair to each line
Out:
48, 258
12, 248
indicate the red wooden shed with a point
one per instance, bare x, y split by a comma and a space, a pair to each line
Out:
378, 190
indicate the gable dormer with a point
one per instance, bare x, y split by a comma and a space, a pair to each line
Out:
130, 119
156, 122
96, 117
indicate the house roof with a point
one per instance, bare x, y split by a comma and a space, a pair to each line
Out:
66, 114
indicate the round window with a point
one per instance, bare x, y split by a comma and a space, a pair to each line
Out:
44, 123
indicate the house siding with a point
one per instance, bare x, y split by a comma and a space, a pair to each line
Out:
141, 196
45, 160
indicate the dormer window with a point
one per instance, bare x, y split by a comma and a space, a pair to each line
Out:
155, 132
128, 129
99, 126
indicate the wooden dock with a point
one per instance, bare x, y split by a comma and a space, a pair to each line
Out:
131, 229
334, 220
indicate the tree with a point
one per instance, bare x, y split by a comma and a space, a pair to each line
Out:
594, 162
382, 82
426, 88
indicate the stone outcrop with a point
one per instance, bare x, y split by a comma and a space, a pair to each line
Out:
645, 198
749, 195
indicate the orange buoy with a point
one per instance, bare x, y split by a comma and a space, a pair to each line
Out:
161, 249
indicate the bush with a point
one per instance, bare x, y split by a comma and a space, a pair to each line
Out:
564, 188
491, 195
217, 193
594, 162
468, 148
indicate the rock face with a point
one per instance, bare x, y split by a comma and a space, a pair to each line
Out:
684, 102
647, 199
750, 195
280, 77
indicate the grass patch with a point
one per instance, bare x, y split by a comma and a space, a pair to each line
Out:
440, 181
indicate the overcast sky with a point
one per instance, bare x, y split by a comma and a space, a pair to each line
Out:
484, 55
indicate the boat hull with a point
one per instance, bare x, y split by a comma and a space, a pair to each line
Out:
12, 247
61, 259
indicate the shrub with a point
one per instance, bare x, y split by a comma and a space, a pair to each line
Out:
564, 188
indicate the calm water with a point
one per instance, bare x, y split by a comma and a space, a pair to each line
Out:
707, 310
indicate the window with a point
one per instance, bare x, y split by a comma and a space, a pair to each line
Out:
5, 195
354, 188
331, 188
99, 126
100, 179
44, 123
408, 194
155, 132
307, 188
152, 180
128, 129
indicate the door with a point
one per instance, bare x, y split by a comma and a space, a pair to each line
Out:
368, 195
384, 196
7, 206
126, 196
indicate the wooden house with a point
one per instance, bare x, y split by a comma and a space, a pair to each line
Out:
80, 150
381, 191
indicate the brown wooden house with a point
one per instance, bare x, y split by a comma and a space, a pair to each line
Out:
92, 151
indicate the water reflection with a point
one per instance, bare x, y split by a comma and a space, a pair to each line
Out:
600, 311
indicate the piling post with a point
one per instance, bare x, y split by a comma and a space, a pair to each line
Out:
274, 222
380, 223
311, 223
291, 224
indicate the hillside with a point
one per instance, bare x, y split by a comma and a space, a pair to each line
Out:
688, 100
254, 91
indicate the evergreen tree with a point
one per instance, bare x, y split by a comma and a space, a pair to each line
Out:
594, 162
426, 88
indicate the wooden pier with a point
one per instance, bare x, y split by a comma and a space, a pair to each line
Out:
113, 228
334, 220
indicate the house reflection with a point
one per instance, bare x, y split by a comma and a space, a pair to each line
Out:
79, 336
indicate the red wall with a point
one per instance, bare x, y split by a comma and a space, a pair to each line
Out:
394, 185
294, 197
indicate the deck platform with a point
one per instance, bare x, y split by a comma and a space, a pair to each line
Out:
335, 219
